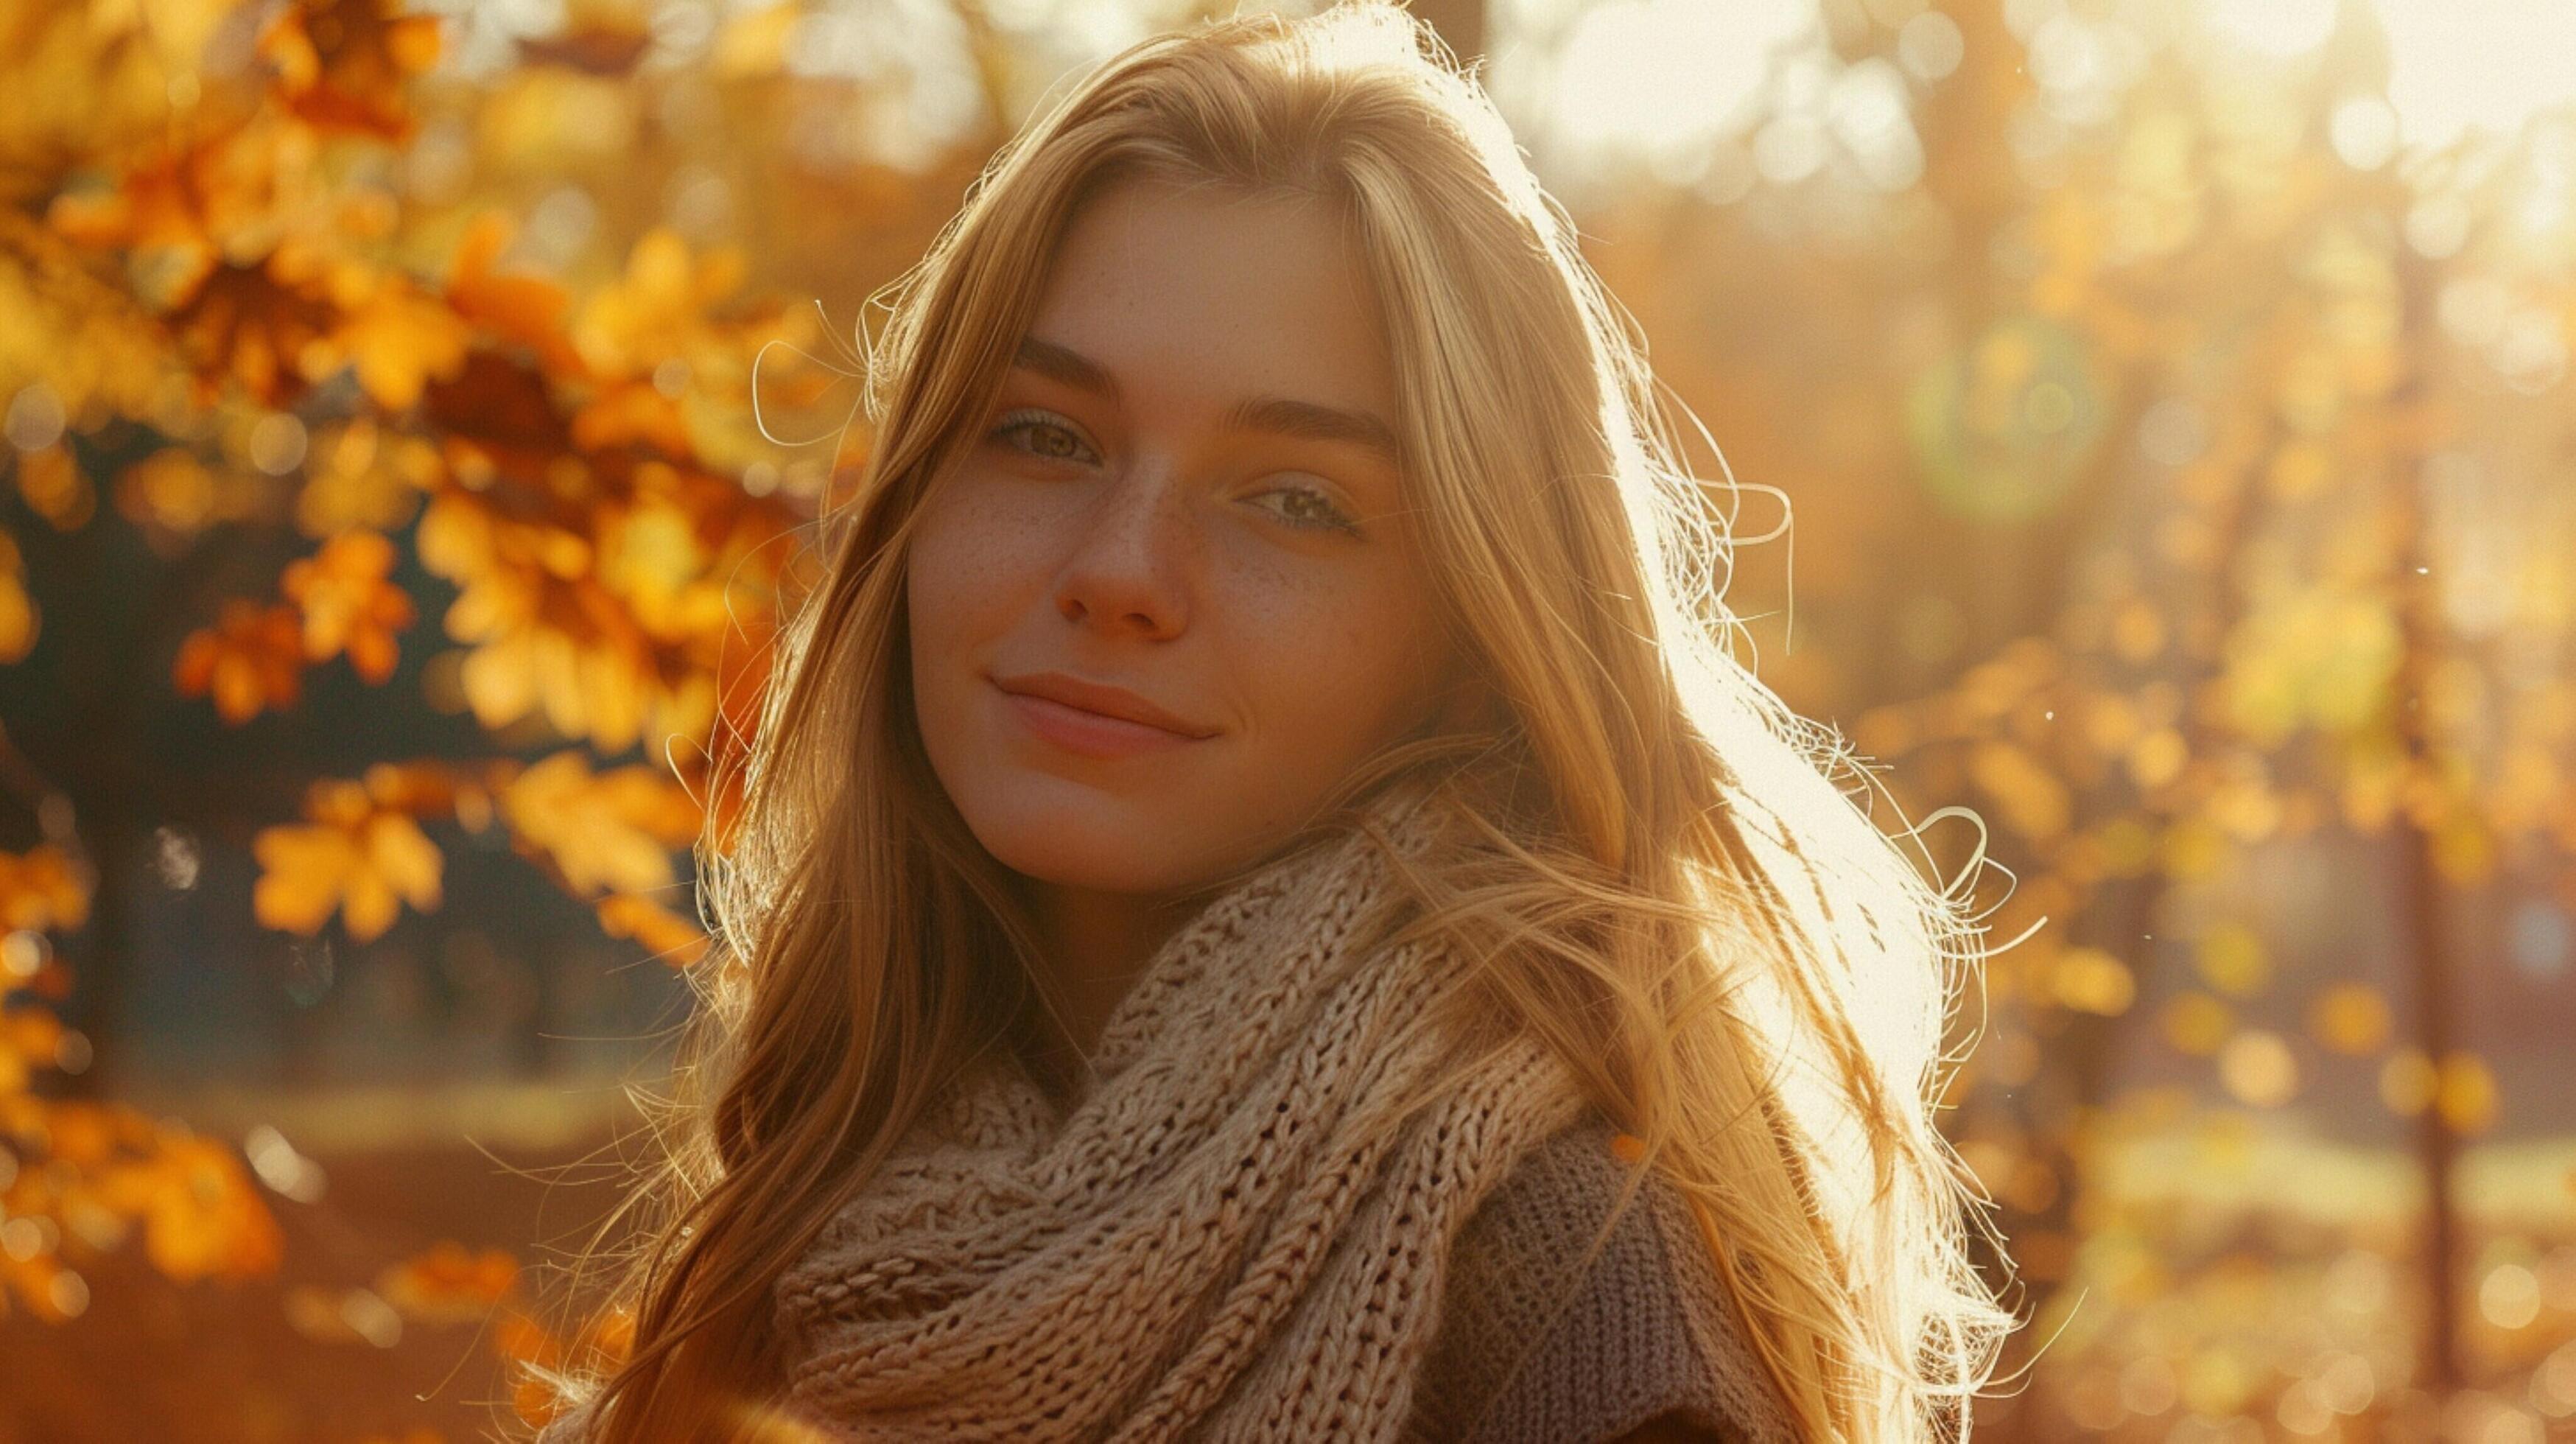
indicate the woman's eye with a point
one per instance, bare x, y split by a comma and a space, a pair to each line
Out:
1304, 506
1044, 434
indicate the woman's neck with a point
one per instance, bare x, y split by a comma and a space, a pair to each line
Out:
1092, 948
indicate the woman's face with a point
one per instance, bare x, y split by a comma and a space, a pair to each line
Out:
1185, 505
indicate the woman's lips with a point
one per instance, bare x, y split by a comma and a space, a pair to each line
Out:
1089, 733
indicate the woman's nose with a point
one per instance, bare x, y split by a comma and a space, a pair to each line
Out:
1127, 571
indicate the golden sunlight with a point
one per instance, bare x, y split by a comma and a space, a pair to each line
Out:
1660, 80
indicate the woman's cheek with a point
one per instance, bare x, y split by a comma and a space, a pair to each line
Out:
943, 594
974, 554
1331, 676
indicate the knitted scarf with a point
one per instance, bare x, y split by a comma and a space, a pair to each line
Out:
1238, 1232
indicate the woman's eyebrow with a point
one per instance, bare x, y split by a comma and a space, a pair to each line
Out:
1279, 415
1063, 363
1315, 421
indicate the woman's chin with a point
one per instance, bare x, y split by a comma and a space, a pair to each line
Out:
1080, 843
1161, 835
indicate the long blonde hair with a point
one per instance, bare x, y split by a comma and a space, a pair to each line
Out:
1666, 881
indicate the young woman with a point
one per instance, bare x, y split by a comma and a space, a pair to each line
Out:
1263, 906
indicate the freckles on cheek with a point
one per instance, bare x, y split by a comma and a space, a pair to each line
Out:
974, 562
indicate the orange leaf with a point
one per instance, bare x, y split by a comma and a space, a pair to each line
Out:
349, 604
525, 309
206, 1219
341, 64
665, 934
613, 831
363, 867
517, 1336
253, 325
398, 338
450, 1282
250, 659
40, 891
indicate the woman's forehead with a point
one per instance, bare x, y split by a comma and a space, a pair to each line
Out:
1213, 291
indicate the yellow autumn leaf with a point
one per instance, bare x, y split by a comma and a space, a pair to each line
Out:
361, 476
251, 658
398, 338
665, 934
656, 310
41, 890
364, 868
350, 604
650, 557
449, 1283
612, 831
525, 309
205, 1219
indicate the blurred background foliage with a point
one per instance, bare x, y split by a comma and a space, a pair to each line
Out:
2148, 433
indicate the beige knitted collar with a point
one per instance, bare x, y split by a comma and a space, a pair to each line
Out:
1228, 1236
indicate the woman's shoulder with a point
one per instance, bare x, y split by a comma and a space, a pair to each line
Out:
1544, 1339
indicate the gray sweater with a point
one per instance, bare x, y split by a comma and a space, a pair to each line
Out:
1534, 1348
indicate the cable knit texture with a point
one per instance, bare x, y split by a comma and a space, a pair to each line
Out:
1231, 1235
